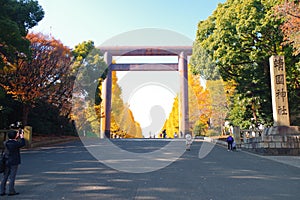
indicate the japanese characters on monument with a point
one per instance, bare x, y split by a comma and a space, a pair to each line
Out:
279, 91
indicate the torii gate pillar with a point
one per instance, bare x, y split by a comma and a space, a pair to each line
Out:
106, 98
184, 99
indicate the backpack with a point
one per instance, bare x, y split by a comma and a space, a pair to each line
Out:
229, 139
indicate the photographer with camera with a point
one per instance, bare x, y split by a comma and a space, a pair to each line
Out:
13, 159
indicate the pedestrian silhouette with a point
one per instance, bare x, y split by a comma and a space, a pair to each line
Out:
157, 118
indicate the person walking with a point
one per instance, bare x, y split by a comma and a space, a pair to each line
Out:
164, 132
13, 160
188, 142
229, 141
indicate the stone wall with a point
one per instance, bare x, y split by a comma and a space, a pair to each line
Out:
279, 144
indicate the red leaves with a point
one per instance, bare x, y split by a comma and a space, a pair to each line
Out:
291, 27
44, 76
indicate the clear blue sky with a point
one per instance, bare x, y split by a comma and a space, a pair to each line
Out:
75, 21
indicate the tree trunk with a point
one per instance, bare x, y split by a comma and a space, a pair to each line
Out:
26, 109
253, 108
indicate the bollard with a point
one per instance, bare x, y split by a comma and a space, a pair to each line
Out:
28, 136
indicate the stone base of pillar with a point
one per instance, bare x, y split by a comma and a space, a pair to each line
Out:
282, 130
278, 140
107, 134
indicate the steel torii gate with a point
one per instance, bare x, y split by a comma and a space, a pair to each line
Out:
182, 52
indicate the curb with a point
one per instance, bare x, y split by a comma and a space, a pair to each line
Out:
51, 142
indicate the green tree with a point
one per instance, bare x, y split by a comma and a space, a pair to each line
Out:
16, 18
80, 52
240, 36
201, 63
88, 70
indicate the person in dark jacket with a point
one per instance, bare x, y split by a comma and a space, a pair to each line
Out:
13, 159
229, 141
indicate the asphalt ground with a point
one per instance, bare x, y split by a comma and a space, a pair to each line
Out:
69, 171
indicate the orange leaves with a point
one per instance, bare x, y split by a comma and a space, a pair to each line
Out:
172, 123
123, 123
199, 102
41, 76
291, 27
199, 108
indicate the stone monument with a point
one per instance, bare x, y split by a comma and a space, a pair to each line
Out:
279, 91
281, 138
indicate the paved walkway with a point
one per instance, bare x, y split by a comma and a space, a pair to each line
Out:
69, 171
288, 160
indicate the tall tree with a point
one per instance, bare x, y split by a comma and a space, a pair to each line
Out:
219, 102
45, 77
88, 71
201, 63
172, 122
199, 105
290, 10
123, 122
199, 109
80, 52
16, 17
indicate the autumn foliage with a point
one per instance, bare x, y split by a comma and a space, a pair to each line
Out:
123, 123
199, 110
42, 77
291, 26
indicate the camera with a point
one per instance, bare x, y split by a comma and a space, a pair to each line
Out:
21, 131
